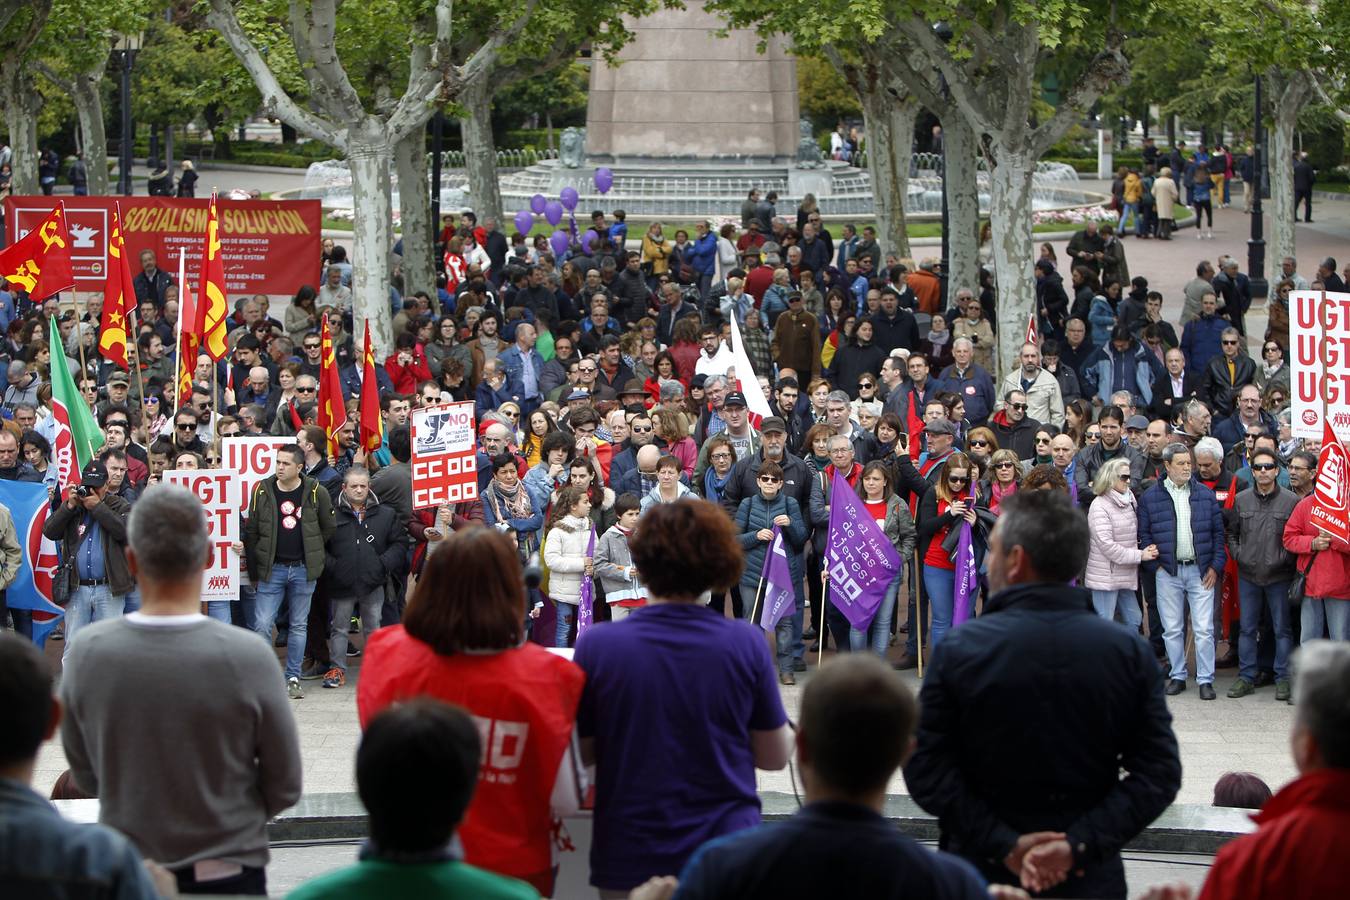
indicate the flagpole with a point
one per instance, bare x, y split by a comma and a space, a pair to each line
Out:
758, 590
918, 614
824, 616
133, 335
178, 334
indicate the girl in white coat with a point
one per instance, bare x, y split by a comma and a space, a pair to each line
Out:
1113, 546
565, 555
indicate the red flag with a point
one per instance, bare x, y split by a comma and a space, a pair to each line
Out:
191, 315
215, 308
1033, 337
119, 299
1331, 498
914, 427
332, 411
372, 425
39, 262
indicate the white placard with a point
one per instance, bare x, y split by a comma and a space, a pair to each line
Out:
218, 489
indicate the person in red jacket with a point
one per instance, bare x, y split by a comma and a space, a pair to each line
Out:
462, 641
1302, 841
407, 366
1326, 562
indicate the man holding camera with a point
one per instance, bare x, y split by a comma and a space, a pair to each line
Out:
91, 524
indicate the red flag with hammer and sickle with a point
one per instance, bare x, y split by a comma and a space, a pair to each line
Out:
39, 262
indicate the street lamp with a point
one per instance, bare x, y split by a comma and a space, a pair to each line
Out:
1256, 244
128, 44
944, 33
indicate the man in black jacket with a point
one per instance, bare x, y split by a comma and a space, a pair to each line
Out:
367, 545
1304, 176
773, 447
1020, 754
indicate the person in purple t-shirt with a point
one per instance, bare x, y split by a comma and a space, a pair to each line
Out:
680, 707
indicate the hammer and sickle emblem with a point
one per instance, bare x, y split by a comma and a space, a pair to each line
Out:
50, 235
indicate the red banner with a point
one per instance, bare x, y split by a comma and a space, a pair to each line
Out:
268, 246
444, 465
1331, 498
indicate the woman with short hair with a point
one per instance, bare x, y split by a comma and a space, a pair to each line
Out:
680, 705
1114, 556
462, 641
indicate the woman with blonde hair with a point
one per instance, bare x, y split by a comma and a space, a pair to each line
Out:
1113, 545
1005, 473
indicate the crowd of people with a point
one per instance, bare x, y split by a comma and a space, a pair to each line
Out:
607, 395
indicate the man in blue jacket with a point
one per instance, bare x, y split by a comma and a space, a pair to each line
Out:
1183, 519
522, 366
703, 258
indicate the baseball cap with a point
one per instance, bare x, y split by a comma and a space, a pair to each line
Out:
578, 395
773, 423
95, 475
119, 378
735, 398
1137, 423
940, 426
794, 295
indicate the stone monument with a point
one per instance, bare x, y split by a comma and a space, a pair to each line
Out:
681, 91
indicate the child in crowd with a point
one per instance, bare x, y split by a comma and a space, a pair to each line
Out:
565, 555
618, 232
618, 576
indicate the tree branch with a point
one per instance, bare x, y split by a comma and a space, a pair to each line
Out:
1326, 100
275, 100
1108, 69
65, 85
960, 83
433, 83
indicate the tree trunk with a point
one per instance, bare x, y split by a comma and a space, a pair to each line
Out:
371, 157
1291, 94
1014, 259
480, 152
414, 204
21, 105
889, 125
89, 107
963, 206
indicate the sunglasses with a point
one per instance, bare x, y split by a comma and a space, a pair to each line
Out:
1264, 467
305, 390
1094, 435
864, 385
1229, 343
979, 443
1122, 477
1042, 440
1003, 465
770, 479
185, 426
958, 479
587, 369
1020, 407
311, 346
1272, 349
639, 430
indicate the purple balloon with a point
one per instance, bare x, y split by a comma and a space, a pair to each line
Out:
587, 238
524, 221
537, 204
553, 212
569, 198
558, 241
604, 180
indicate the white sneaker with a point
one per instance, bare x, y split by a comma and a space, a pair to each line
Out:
293, 689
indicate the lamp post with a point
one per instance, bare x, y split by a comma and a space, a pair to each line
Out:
128, 44
944, 33
1256, 244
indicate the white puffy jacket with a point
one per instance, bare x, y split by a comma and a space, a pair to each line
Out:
1113, 543
565, 554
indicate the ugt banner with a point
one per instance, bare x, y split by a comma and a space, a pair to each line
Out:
1319, 344
268, 246
1331, 498
32, 587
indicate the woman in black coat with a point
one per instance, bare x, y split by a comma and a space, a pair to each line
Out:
859, 356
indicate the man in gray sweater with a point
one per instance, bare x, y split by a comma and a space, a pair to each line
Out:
190, 769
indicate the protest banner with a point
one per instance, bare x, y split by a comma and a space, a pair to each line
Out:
1331, 498
218, 489
776, 583
31, 588
267, 246
861, 562
444, 467
250, 460
1319, 349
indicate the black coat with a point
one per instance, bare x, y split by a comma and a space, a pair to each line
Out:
1218, 390
362, 554
1027, 716
742, 484
1165, 402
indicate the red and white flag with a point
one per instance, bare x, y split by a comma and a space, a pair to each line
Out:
1331, 498
1033, 336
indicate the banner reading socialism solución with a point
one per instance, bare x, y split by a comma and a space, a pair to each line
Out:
268, 246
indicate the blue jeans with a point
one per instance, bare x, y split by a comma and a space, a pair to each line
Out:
1253, 597
878, 634
289, 582
566, 613
88, 605
1318, 613
1174, 592
131, 601
220, 610
940, 584
1107, 602
1129, 211
788, 632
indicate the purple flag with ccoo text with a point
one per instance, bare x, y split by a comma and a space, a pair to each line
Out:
860, 560
779, 594
586, 608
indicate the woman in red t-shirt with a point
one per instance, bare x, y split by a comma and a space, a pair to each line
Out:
463, 641
947, 502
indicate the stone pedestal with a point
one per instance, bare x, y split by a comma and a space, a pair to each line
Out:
679, 91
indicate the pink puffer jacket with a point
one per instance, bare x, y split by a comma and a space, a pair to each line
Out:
1113, 543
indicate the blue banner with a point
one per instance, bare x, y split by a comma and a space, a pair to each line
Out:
28, 504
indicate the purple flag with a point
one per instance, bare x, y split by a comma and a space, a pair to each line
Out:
779, 594
586, 609
861, 561
967, 579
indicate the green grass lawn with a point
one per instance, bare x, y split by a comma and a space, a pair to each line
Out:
1335, 187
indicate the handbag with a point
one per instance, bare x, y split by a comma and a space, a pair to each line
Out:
61, 581
1298, 585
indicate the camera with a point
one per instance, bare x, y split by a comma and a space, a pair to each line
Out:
83, 490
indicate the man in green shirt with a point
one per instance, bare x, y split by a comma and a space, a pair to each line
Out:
416, 770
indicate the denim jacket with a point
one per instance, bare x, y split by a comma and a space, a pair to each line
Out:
42, 854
